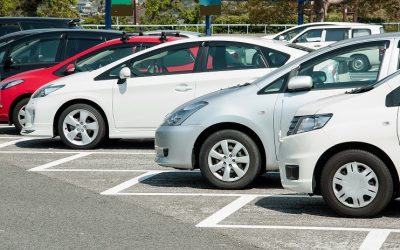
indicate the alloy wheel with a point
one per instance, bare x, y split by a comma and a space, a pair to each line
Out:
80, 127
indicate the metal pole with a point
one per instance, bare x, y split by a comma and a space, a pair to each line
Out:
208, 25
300, 12
107, 15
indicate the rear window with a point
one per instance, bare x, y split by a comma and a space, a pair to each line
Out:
361, 32
6, 28
335, 35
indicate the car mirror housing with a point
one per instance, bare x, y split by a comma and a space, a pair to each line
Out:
70, 69
300, 83
281, 38
125, 73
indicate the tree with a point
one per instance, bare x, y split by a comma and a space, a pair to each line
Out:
57, 8
9, 8
321, 7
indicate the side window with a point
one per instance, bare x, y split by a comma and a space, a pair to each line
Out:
275, 59
334, 35
275, 86
234, 57
37, 50
310, 36
355, 66
38, 25
6, 28
171, 61
2, 52
77, 45
361, 32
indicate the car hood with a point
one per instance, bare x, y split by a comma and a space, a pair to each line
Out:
27, 74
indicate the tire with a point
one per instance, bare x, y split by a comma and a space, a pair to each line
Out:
18, 114
364, 193
222, 143
359, 63
87, 133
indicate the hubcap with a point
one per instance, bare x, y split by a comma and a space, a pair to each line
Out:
80, 127
358, 64
355, 185
21, 116
228, 160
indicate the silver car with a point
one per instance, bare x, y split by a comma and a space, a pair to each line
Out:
233, 135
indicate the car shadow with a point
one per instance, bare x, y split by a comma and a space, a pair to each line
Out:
315, 206
195, 180
8, 131
56, 143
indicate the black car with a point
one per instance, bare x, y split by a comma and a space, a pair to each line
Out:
47, 48
14, 24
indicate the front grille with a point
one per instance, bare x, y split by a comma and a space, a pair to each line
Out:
293, 125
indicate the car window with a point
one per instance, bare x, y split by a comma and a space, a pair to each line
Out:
334, 35
42, 25
275, 59
77, 45
234, 57
36, 50
310, 36
171, 61
288, 35
355, 66
275, 86
99, 59
361, 32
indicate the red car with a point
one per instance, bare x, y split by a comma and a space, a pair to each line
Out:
16, 90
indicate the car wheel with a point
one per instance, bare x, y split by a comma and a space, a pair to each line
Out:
356, 183
18, 114
230, 159
359, 63
81, 126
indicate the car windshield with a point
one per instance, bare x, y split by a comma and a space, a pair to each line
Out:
103, 58
288, 35
370, 87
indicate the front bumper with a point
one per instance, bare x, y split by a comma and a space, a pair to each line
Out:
301, 153
39, 118
174, 145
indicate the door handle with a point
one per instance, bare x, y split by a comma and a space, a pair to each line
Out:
183, 87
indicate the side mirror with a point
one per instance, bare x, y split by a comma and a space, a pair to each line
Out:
8, 62
281, 38
300, 83
125, 73
70, 69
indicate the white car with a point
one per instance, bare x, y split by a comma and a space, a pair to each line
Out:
322, 36
289, 34
346, 148
130, 97
234, 135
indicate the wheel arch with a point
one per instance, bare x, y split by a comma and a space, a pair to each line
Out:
355, 145
14, 103
223, 126
78, 101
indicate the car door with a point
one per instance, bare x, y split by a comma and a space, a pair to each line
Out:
32, 53
331, 75
310, 38
161, 80
228, 64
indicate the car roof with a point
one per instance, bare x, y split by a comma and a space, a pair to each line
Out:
343, 26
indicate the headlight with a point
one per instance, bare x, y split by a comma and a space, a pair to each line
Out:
9, 84
301, 124
178, 117
42, 92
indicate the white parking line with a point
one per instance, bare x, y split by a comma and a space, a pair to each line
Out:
76, 152
2, 145
374, 240
101, 170
58, 162
226, 211
130, 183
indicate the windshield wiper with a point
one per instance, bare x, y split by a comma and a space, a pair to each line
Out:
360, 90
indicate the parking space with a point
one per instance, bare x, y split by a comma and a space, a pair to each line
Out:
264, 216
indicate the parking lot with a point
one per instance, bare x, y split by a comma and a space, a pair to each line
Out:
264, 216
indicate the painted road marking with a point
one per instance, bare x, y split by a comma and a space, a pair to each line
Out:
226, 211
2, 145
130, 183
374, 239
58, 162
77, 152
